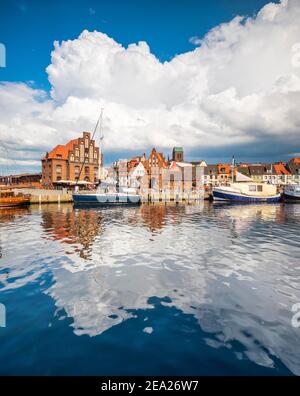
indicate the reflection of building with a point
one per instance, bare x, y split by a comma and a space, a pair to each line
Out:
154, 216
74, 227
78, 160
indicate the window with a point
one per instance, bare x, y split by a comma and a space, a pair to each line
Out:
77, 152
77, 170
252, 188
86, 142
86, 169
259, 188
58, 169
72, 157
58, 156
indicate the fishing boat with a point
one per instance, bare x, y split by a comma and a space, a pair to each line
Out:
291, 192
243, 189
8, 199
247, 192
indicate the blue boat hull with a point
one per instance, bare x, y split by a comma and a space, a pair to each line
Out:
105, 199
224, 196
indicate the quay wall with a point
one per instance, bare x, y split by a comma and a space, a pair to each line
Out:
42, 196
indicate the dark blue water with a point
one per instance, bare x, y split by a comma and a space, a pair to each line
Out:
148, 290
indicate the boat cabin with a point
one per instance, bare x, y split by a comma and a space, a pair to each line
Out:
257, 189
7, 194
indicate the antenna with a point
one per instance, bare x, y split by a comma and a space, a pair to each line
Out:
99, 121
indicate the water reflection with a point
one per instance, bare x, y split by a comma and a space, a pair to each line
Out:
234, 268
77, 228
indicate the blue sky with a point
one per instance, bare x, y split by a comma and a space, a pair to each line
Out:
29, 28
232, 115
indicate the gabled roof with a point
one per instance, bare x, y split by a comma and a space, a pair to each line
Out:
294, 166
62, 150
257, 170
280, 169
226, 167
211, 170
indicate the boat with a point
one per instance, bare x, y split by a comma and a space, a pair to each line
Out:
9, 199
247, 192
104, 195
104, 199
243, 189
291, 192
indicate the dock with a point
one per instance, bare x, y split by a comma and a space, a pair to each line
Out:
44, 196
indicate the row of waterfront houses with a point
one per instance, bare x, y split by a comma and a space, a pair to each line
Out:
80, 161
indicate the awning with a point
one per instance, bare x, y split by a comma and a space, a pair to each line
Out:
64, 182
83, 182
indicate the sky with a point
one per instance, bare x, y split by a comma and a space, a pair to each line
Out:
218, 77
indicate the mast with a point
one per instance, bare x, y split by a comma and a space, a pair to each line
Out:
101, 137
95, 130
232, 169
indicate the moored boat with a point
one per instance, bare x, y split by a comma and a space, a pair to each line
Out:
104, 199
247, 192
9, 199
291, 192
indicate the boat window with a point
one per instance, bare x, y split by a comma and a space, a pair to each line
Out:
252, 188
259, 188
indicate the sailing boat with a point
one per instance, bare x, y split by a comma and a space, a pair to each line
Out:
100, 198
244, 189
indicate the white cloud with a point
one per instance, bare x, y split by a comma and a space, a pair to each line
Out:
195, 40
239, 88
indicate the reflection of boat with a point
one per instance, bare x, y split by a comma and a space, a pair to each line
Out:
103, 199
292, 192
247, 192
9, 198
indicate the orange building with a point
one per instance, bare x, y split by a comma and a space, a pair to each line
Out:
156, 164
224, 173
78, 160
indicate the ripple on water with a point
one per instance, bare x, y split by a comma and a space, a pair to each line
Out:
219, 278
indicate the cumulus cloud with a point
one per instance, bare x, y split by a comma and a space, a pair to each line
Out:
239, 89
195, 40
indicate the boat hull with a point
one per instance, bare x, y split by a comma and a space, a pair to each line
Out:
291, 197
14, 202
106, 199
219, 195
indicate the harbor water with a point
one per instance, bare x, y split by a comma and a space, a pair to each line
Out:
200, 289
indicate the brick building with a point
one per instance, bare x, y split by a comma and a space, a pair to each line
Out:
78, 160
